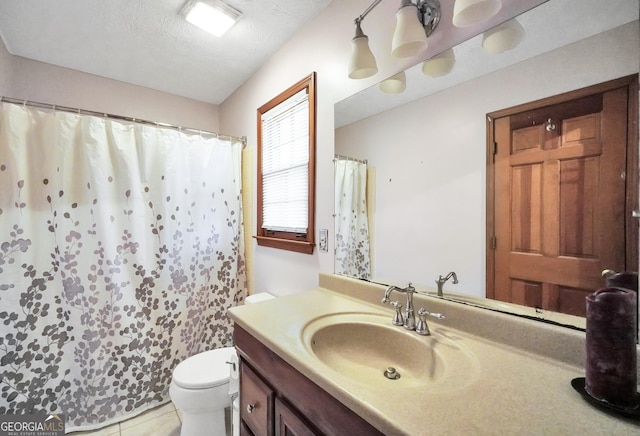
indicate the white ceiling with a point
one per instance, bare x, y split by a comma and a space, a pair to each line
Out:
147, 42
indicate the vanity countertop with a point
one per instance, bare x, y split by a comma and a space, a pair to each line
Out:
510, 390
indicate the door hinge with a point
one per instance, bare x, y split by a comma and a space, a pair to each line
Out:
494, 150
494, 242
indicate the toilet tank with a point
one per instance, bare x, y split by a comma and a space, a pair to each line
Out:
256, 298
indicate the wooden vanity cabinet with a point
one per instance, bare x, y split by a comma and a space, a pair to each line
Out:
256, 402
276, 399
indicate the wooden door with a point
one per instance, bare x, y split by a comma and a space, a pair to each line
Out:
560, 191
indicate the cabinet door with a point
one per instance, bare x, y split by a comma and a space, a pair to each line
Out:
244, 430
288, 423
256, 402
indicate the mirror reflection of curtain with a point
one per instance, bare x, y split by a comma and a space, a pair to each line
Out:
352, 229
120, 252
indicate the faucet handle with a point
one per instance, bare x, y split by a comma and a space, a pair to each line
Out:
397, 318
422, 313
422, 328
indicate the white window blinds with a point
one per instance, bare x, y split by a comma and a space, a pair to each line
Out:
285, 165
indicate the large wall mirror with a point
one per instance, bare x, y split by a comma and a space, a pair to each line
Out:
426, 147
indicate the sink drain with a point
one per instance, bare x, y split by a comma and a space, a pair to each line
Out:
391, 373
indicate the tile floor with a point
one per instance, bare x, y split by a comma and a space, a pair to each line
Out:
161, 421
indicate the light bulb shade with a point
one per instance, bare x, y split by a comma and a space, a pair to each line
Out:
504, 37
362, 63
439, 65
409, 38
395, 84
469, 12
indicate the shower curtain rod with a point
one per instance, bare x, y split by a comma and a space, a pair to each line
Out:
341, 157
54, 107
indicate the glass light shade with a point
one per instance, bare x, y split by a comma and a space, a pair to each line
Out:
362, 63
469, 12
395, 84
504, 37
439, 65
409, 38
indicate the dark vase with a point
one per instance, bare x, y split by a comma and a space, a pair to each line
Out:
611, 363
625, 279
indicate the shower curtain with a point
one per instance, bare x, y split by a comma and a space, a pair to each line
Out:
120, 252
352, 230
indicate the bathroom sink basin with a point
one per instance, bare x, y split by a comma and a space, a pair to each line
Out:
367, 348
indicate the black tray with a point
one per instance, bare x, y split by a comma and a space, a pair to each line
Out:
631, 412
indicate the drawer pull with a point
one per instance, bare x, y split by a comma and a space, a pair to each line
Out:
250, 407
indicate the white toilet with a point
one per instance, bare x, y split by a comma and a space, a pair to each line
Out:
201, 389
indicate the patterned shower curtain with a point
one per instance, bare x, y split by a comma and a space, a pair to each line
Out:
352, 230
120, 252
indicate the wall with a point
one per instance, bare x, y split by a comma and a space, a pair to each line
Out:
324, 46
431, 165
37, 81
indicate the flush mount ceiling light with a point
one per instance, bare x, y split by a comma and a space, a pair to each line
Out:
470, 12
214, 16
414, 23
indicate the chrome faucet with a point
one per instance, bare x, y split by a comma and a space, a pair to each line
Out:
409, 321
441, 281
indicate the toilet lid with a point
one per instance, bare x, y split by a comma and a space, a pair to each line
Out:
204, 370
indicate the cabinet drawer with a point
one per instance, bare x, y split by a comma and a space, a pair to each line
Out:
256, 402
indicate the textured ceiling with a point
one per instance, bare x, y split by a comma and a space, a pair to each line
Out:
148, 43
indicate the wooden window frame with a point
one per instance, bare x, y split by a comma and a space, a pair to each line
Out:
291, 241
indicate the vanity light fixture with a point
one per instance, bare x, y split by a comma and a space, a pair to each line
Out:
414, 23
214, 16
410, 37
362, 63
470, 12
395, 84
504, 37
439, 65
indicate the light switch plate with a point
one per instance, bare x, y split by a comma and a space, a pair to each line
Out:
323, 244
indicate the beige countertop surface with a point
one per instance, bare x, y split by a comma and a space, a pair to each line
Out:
498, 388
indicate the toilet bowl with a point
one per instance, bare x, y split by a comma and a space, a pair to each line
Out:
200, 388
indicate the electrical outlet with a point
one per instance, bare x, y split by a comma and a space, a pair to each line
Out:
323, 243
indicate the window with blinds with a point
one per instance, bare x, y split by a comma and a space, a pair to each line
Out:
285, 165
286, 169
